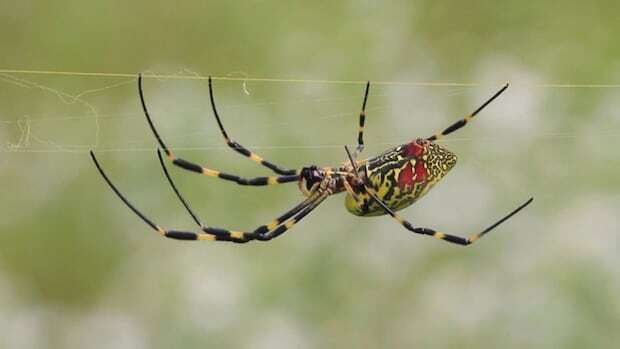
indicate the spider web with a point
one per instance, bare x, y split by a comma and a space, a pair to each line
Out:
32, 131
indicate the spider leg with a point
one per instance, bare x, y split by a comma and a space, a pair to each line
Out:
241, 149
267, 231
289, 224
440, 235
350, 190
362, 119
254, 181
190, 166
258, 232
280, 224
462, 122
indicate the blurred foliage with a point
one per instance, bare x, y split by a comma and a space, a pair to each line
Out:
78, 269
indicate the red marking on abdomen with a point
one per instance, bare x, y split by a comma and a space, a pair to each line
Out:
405, 177
408, 175
414, 149
420, 172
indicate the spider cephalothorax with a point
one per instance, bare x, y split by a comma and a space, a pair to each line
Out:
310, 177
376, 186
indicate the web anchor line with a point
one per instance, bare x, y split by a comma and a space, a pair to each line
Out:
294, 80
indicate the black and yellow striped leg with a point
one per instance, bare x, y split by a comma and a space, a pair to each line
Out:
241, 149
262, 233
190, 166
362, 121
289, 224
462, 122
254, 181
223, 233
149, 222
210, 233
440, 235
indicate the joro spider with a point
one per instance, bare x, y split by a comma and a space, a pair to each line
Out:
376, 186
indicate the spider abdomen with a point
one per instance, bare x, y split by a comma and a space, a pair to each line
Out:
400, 176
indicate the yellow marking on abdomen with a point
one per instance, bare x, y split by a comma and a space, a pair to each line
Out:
206, 237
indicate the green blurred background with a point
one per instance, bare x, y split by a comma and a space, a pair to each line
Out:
78, 269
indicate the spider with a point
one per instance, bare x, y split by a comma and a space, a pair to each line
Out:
375, 186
